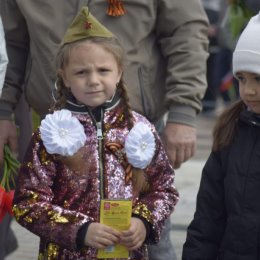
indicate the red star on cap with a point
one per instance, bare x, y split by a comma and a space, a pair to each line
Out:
87, 25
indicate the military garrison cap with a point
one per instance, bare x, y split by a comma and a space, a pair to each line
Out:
84, 26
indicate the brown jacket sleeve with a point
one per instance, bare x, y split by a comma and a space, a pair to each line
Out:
182, 31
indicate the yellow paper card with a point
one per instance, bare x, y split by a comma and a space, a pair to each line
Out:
116, 214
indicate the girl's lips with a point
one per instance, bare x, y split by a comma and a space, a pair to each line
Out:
253, 103
93, 92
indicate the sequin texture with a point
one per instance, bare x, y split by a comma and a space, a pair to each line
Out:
53, 200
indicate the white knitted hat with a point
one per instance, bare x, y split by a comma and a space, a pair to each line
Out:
246, 56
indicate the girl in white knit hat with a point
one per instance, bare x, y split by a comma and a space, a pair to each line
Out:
226, 222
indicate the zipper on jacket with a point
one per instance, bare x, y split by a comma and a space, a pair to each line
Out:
99, 130
100, 153
99, 126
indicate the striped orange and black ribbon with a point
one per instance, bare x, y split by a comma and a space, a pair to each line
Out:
115, 8
117, 149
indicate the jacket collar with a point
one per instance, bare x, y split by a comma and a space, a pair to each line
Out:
77, 108
250, 118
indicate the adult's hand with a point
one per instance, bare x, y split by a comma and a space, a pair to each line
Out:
180, 143
8, 135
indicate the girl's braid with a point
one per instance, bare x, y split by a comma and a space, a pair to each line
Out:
60, 97
128, 110
138, 176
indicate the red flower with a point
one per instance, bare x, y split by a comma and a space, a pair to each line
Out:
11, 166
2, 203
9, 196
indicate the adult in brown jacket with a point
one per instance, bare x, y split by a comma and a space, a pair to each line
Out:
166, 46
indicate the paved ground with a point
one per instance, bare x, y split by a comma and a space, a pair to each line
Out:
187, 182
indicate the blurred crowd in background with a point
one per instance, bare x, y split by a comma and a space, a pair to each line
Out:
227, 19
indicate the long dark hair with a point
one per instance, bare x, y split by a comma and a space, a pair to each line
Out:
226, 125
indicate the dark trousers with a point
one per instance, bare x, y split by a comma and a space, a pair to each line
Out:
218, 71
8, 241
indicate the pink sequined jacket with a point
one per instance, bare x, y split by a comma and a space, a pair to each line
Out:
54, 202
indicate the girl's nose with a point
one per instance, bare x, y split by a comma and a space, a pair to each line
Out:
249, 89
92, 79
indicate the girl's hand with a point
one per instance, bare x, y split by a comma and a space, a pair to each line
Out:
100, 236
134, 237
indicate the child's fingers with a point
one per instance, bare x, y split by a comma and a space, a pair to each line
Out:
127, 236
103, 242
100, 236
131, 243
111, 231
134, 237
129, 239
